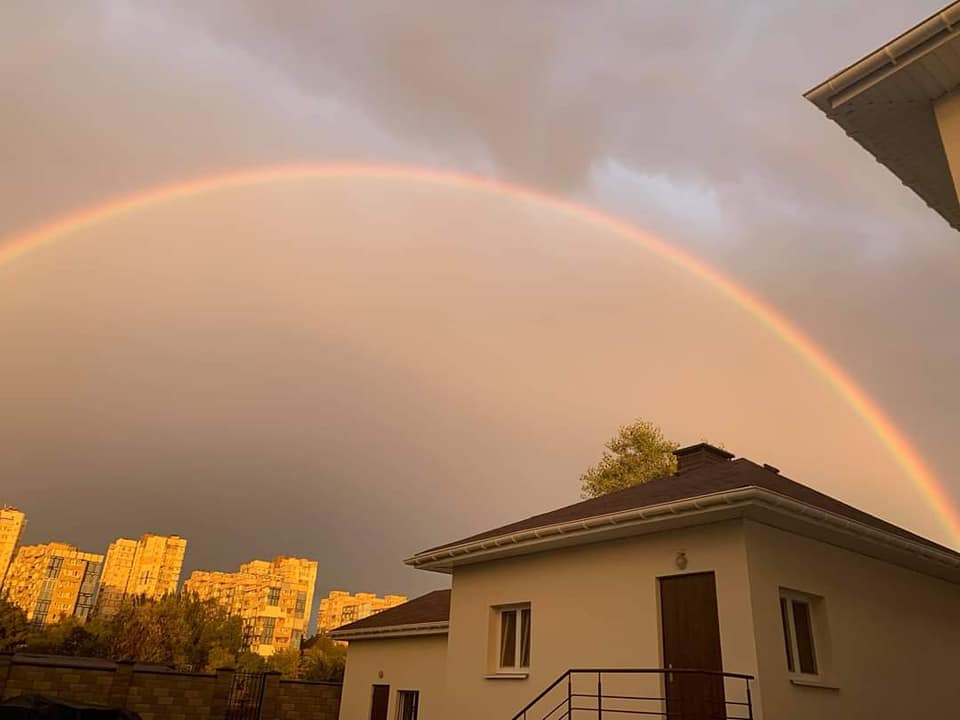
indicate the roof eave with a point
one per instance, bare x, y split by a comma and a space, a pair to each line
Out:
583, 530
392, 631
777, 509
911, 45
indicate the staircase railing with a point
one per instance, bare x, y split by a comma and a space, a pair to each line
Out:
612, 693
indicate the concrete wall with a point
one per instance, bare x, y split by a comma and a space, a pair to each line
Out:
888, 638
159, 695
596, 605
414, 663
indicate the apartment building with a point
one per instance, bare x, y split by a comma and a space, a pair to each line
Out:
53, 581
274, 599
149, 567
340, 607
12, 522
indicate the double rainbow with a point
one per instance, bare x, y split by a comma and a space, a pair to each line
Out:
893, 439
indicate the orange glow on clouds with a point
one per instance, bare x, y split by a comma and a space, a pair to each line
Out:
899, 447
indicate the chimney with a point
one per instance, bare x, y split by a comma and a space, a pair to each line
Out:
695, 456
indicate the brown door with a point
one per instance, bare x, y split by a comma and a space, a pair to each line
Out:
381, 698
691, 640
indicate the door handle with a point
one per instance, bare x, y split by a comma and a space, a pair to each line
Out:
670, 674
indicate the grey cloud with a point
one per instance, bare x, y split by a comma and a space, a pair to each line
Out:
495, 385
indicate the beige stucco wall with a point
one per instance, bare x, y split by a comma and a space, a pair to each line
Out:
947, 112
892, 635
415, 663
595, 605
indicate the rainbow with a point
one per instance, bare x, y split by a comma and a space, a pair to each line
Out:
906, 457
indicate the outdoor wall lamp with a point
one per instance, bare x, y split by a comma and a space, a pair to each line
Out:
681, 560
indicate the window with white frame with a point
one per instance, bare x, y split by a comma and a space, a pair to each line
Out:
797, 618
514, 645
408, 701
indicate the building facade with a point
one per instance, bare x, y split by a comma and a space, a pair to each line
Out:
340, 607
274, 598
12, 522
728, 568
53, 581
149, 567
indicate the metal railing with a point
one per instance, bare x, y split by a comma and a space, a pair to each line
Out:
616, 693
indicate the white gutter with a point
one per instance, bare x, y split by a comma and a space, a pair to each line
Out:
578, 527
388, 631
582, 530
916, 42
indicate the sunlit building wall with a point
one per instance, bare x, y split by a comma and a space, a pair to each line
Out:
340, 608
274, 599
12, 522
53, 581
149, 567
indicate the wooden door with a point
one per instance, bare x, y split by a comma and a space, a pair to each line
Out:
381, 699
691, 640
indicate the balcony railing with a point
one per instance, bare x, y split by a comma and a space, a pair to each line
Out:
617, 693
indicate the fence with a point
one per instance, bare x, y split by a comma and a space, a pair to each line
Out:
159, 693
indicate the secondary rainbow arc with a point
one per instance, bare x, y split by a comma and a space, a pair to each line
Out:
896, 442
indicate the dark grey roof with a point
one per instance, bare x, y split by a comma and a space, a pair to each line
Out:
434, 607
719, 474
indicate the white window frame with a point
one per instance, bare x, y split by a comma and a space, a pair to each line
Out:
518, 639
811, 601
401, 694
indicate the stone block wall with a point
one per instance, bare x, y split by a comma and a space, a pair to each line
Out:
303, 700
157, 693
171, 696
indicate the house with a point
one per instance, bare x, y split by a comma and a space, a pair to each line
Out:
901, 104
812, 608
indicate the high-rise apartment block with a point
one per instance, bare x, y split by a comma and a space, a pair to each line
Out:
148, 567
53, 581
12, 522
340, 607
273, 598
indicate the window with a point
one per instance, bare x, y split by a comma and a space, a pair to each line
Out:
514, 638
53, 567
796, 616
273, 596
266, 634
301, 606
407, 702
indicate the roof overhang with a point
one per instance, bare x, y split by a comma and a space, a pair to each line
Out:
392, 631
886, 101
754, 503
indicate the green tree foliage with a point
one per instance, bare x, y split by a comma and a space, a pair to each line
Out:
636, 454
251, 662
177, 630
14, 629
285, 662
322, 659
67, 637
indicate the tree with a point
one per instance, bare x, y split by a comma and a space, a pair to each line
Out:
286, 662
251, 662
322, 659
14, 628
67, 637
178, 630
636, 454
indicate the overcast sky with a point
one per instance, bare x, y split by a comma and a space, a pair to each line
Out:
353, 370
